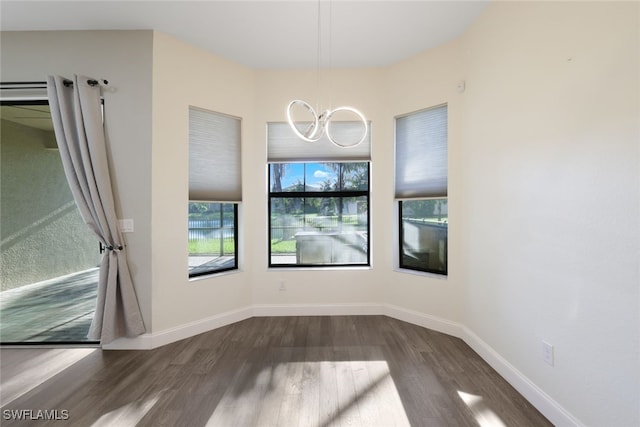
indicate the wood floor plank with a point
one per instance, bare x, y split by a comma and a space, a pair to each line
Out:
329, 407
365, 387
269, 412
309, 412
349, 411
266, 372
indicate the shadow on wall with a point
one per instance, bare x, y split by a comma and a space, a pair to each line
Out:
42, 233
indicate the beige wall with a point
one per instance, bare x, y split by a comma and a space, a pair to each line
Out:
274, 90
543, 185
182, 76
124, 58
550, 198
427, 80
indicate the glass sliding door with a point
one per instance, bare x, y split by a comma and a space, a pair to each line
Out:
48, 256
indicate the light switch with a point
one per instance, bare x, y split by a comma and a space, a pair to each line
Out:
126, 225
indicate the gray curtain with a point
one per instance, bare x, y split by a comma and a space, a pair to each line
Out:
77, 122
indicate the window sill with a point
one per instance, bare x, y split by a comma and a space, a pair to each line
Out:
214, 275
421, 273
318, 268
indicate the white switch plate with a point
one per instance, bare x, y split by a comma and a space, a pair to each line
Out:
547, 353
126, 225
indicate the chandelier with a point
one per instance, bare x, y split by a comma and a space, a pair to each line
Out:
321, 124
316, 125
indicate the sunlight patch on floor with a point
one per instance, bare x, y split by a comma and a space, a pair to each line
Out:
34, 371
318, 393
483, 415
129, 414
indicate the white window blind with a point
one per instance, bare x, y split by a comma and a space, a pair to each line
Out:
214, 156
284, 146
421, 154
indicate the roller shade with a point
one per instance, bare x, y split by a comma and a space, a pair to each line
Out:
421, 154
284, 146
214, 156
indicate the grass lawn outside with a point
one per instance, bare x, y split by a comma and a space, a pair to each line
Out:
283, 246
211, 246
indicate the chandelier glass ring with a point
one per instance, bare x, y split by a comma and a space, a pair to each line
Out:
327, 121
321, 124
313, 131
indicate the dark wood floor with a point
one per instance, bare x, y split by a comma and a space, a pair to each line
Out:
281, 371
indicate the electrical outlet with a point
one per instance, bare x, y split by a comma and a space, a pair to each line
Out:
547, 353
282, 287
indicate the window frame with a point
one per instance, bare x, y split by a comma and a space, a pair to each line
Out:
402, 196
401, 243
210, 272
318, 194
34, 94
214, 127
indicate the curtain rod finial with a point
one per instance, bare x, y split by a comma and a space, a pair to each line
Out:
101, 82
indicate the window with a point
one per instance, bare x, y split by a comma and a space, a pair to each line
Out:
318, 201
48, 255
215, 190
212, 237
421, 190
319, 214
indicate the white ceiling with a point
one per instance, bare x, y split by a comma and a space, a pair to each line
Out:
266, 33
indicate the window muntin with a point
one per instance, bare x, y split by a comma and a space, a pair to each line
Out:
424, 235
213, 240
421, 189
319, 214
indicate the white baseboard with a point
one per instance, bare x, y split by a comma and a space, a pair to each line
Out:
425, 320
141, 342
150, 341
534, 394
358, 309
538, 398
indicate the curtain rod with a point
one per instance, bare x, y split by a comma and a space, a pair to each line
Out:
23, 85
90, 82
43, 85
